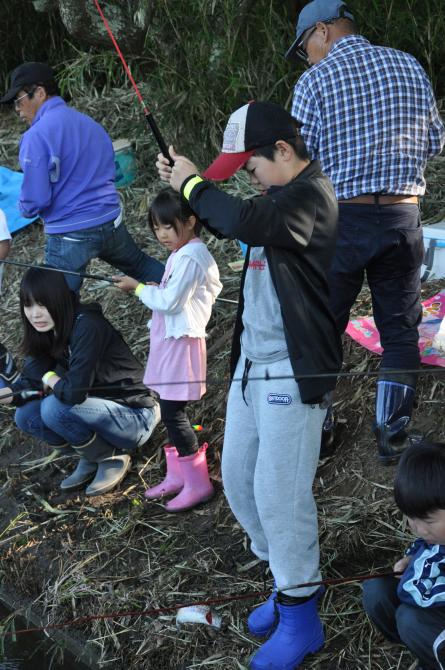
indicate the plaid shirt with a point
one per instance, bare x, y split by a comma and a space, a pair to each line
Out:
370, 117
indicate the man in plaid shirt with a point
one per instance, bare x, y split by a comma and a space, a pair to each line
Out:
369, 116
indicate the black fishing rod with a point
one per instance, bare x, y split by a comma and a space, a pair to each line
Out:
148, 115
83, 275
210, 381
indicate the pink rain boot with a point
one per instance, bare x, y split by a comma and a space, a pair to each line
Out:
173, 481
197, 485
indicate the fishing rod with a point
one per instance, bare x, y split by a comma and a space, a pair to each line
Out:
83, 275
211, 381
233, 597
148, 115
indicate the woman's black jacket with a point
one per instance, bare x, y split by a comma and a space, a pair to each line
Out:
98, 362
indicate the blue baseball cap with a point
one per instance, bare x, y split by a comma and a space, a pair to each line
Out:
315, 11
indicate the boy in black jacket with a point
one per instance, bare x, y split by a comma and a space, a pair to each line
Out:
284, 331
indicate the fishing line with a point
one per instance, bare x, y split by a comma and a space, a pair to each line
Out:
232, 597
65, 272
83, 275
209, 381
148, 115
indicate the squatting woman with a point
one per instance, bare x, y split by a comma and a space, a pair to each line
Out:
81, 388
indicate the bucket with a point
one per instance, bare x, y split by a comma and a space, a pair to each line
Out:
434, 260
125, 163
243, 247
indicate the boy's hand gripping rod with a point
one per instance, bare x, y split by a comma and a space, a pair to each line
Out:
148, 115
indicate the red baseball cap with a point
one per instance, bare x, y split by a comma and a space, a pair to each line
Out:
254, 125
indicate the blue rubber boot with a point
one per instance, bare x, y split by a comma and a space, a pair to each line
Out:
299, 632
262, 619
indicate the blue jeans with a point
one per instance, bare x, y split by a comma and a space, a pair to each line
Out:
115, 245
421, 629
54, 422
384, 242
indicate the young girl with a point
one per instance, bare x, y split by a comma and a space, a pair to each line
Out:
176, 367
96, 406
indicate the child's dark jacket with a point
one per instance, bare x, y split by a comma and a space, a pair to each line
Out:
97, 356
297, 226
423, 582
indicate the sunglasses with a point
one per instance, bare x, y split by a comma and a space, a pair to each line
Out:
300, 51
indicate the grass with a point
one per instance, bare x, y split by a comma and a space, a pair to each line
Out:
71, 556
117, 552
201, 60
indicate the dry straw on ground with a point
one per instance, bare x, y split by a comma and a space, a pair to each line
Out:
71, 556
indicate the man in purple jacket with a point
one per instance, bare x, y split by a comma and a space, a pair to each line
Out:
69, 173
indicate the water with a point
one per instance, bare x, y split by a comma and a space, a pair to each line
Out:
33, 651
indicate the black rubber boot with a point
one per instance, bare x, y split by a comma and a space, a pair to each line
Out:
328, 443
393, 408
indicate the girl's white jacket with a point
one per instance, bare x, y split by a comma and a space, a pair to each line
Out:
188, 293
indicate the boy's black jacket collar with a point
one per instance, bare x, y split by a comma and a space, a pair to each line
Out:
306, 173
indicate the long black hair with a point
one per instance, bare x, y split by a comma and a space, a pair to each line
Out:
49, 289
169, 207
419, 486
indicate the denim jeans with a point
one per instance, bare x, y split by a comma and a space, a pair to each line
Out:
421, 629
110, 243
384, 242
54, 422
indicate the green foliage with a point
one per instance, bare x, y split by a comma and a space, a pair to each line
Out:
28, 35
409, 25
204, 58
89, 72
212, 59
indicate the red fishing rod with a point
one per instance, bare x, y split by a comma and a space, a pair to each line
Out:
224, 599
148, 115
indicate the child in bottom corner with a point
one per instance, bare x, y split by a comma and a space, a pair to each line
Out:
411, 610
176, 367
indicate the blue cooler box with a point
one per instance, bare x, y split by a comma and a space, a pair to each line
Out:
434, 260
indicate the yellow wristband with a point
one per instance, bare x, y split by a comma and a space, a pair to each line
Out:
47, 376
138, 289
190, 185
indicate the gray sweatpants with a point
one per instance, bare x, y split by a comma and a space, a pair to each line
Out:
270, 455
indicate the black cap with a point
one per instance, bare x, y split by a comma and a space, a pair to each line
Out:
25, 75
254, 125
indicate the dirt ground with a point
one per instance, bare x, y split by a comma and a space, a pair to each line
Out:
72, 556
